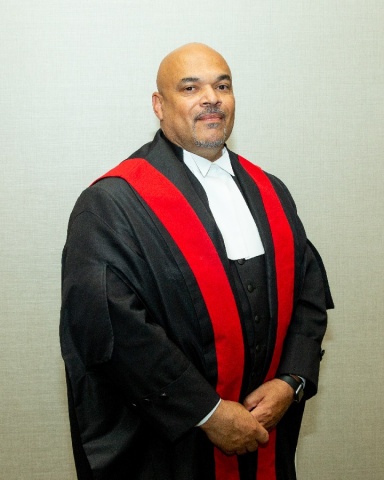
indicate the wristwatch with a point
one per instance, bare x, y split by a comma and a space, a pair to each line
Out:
297, 385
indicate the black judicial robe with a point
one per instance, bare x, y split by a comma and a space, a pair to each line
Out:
141, 340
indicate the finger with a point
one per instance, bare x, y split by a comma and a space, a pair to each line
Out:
228, 453
241, 451
263, 436
252, 400
255, 413
249, 401
253, 447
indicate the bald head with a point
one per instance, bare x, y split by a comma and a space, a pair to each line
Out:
187, 54
194, 101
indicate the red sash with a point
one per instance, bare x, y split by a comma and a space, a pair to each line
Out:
186, 229
285, 276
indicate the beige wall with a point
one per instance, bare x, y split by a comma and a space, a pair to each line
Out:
76, 79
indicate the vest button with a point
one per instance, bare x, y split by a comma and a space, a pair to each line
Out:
241, 261
258, 348
250, 288
257, 319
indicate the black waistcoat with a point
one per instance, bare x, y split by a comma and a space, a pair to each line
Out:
251, 285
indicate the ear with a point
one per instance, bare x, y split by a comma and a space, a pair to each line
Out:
157, 105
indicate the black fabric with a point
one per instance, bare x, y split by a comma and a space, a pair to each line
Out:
136, 337
251, 288
328, 295
83, 468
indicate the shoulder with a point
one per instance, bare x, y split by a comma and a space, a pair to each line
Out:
111, 201
101, 194
112, 196
281, 189
277, 184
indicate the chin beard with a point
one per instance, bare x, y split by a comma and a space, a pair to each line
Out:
214, 144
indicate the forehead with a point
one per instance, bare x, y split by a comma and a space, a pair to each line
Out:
201, 66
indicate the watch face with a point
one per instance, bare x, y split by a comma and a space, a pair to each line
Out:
299, 393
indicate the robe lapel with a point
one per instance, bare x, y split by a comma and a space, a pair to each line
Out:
252, 196
163, 158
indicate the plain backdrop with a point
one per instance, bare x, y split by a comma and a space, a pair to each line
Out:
75, 99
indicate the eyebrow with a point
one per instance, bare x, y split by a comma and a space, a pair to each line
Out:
197, 79
224, 77
189, 79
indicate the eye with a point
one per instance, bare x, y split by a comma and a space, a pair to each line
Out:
189, 89
223, 87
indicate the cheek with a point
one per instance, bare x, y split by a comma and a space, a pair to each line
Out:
232, 115
231, 106
184, 118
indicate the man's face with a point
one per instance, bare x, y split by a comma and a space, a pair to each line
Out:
195, 103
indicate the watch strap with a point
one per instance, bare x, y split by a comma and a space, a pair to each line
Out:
298, 386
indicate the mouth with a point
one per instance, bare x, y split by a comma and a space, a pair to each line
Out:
215, 117
211, 115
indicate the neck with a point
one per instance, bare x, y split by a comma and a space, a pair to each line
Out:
210, 154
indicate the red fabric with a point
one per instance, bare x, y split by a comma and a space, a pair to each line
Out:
178, 217
285, 273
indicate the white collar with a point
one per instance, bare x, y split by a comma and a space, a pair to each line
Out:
204, 164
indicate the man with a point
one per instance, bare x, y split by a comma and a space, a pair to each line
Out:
193, 305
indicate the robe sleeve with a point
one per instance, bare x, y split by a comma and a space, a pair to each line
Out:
302, 350
106, 328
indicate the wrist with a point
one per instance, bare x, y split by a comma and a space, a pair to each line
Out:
207, 417
297, 383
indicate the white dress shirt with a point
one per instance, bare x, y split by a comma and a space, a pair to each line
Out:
229, 209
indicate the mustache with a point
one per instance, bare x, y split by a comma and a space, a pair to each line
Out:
208, 111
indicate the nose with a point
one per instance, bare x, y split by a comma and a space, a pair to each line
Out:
210, 96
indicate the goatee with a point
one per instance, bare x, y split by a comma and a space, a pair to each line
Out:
212, 125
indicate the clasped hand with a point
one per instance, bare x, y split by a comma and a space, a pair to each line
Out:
238, 429
269, 402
